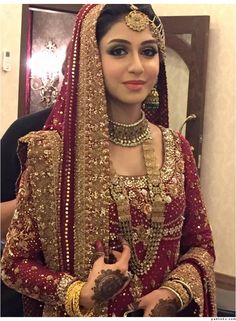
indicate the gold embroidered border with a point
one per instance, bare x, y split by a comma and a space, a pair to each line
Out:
92, 157
43, 158
206, 263
64, 283
187, 273
37, 205
173, 167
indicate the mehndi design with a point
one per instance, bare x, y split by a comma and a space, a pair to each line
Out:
107, 285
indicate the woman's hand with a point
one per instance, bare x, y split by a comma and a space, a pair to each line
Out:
106, 280
159, 303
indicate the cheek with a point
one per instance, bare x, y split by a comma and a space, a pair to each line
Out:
111, 71
153, 71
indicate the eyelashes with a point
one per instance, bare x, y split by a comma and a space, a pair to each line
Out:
117, 51
120, 51
149, 52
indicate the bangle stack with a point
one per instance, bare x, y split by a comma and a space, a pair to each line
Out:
181, 290
72, 300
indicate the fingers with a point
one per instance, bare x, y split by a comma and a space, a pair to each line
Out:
116, 254
99, 247
99, 252
120, 258
125, 255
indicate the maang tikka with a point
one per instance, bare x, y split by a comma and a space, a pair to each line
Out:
138, 21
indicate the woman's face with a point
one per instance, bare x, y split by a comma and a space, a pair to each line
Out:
130, 63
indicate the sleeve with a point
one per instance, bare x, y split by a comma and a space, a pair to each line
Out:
196, 262
23, 267
10, 164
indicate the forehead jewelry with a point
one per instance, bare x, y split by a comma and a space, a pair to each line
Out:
138, 21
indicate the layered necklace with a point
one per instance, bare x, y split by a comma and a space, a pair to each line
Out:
129, 135
158, 199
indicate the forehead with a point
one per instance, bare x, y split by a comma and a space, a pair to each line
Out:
121, 31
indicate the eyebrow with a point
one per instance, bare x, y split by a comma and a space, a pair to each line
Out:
151, 41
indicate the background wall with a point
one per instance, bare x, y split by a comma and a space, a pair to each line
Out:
10, 18
217, 174
218, 154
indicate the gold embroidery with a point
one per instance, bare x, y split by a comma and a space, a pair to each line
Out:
64, 283
43, 159
206, 262
172, 230
92, 173
37, 213
92, 157
187, 273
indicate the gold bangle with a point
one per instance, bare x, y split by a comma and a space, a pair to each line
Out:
72, 306
186, 286
179, 288
69, 299
177, 294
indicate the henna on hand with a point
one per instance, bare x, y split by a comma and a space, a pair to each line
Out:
165, 308
107, 284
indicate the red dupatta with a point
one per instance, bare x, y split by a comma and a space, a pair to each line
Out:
73, 117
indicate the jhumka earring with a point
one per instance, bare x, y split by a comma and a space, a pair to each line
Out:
152, 100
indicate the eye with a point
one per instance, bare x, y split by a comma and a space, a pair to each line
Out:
149, 52
118, 51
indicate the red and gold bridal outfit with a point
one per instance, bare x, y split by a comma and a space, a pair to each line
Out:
32, 257
67, 201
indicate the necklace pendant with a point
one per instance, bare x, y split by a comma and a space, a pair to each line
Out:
136, 287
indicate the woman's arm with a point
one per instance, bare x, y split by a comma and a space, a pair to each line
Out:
196, 262
22, 262
193, 277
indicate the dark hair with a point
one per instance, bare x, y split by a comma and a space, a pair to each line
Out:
113, 13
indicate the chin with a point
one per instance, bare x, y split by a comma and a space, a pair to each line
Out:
130, 99
134, 100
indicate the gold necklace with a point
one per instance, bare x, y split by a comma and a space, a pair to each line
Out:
129, 135
158, 201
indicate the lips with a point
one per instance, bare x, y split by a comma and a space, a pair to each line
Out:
134, 82
134, 85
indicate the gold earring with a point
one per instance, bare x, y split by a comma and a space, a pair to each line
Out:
152, 100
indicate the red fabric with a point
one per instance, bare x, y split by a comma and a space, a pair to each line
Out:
62, 119
195, 225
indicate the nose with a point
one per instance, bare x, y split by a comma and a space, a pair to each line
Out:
135, 65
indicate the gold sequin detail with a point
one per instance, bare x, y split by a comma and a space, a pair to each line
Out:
64, 283
92, 172
43, 161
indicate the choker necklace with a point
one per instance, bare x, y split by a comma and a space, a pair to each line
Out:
129, 134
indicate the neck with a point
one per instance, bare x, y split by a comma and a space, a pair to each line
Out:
128, 114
